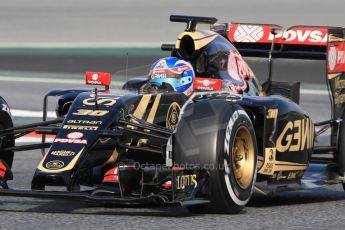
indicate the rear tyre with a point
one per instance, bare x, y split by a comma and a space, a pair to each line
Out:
232, 161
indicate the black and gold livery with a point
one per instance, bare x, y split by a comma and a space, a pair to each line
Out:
208, 152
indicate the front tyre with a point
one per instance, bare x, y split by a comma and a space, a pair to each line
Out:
227, 144
239, 157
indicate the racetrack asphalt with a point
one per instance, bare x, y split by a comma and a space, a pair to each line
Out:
314, 209
66, 21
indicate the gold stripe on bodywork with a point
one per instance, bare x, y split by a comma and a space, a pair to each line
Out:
201, 38
290, 167
271, 165
113, 158
142, 106
68, 167
154, 109
335, 38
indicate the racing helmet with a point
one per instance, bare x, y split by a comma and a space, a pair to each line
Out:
172, 74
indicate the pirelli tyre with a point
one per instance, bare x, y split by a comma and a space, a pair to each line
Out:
218, 136
5, 123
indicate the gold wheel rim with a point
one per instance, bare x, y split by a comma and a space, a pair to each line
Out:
243, 161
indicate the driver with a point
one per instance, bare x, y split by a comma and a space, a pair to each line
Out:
170, 74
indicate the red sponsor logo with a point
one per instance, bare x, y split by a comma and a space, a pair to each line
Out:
239, 71
248, 33
70, 141
207, 84
336, 57
112, 175
98, 78
3, 170
262, 34
75, 135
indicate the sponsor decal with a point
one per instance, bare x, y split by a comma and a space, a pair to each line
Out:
62, 153
239, 71
332, 58
336, 57
238, 68
69, 164
98, 78
80, 127
207, 84
271, 166
262, 34
172, 115
161, 65
268, 165
70, 141
84, 122
112, 175
55, 164
3, 169
75, 135
100, 101
248, 33
185, 181
161, 70
296, 136
286, 175
272, 113
158, 75
89, 112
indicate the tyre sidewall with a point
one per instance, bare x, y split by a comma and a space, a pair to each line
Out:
231, 191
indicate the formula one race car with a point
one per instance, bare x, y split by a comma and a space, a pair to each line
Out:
200, 131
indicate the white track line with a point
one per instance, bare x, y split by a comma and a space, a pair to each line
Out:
78, 82
64, 45
33, 140
314, 92
28, 113
116, 84
41, 80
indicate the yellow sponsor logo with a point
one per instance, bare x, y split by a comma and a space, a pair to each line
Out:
172, 115
297, 135
93, 113
100, 101
272, 113
84, 122
55, 164
186, 180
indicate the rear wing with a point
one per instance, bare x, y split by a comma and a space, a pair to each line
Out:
320, 52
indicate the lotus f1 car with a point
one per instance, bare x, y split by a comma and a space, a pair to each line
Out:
209, 149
